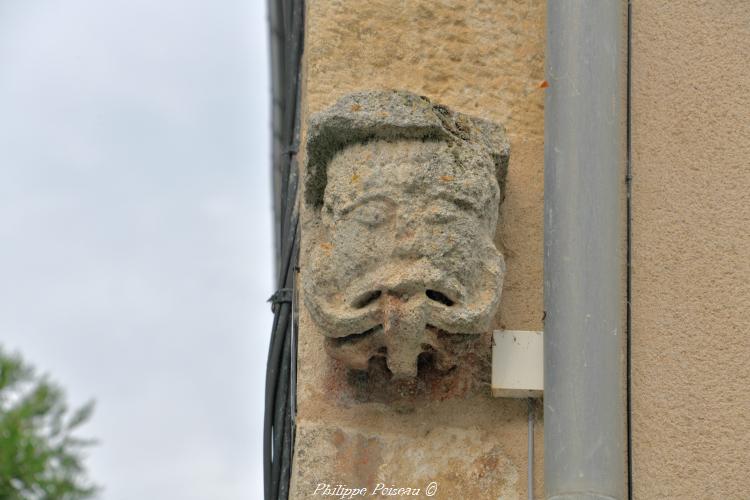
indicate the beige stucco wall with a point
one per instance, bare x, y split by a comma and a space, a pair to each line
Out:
691, 249
484, 58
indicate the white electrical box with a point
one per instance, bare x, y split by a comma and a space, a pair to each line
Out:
517, 364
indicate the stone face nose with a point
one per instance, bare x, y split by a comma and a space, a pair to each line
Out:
404, 324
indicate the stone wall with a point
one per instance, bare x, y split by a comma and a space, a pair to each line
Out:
485, 59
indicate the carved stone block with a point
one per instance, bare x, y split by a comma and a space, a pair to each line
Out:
403, 196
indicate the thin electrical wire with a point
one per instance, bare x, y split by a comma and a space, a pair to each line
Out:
530, 452
285, 26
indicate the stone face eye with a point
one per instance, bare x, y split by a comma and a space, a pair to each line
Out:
372, 213
441, 212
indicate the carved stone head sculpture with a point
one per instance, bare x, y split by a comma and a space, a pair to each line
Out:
404, 198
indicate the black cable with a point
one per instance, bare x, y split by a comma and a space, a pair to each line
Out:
286, 32
285, 444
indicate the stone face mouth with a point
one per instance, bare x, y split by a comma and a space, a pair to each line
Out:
410, 324
438, 349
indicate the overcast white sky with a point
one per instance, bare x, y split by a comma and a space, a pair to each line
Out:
135, 230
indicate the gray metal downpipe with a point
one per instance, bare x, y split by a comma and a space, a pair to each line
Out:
585, 438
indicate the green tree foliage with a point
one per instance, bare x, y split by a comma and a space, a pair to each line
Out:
39, 457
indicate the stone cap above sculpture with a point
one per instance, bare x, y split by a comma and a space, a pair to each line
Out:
392, 115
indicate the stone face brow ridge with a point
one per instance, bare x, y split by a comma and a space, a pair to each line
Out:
363, 116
